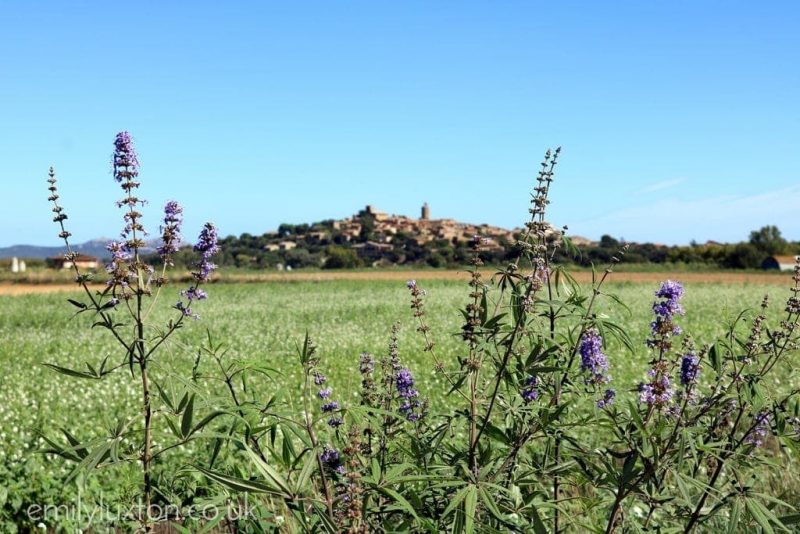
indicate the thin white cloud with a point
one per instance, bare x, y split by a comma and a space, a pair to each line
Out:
723, 218
658, 186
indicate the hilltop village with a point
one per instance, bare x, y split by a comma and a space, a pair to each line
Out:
371, 231
370, 238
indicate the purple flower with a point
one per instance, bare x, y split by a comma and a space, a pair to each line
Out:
186, 309
593, 361
194, 293
608, 399
119, 256
335, 422
125, 161
207, 241
404, 382
658, 392
690, 368
170, 231
759, 431
319, 378
332, 460
330, 406
529, 393
411, 284
207, 246
663, 327
670, 290
324, 393
173, 213
667, 308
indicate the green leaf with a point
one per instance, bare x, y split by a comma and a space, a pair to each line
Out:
210, 526
758, 513
71, 372
736, 511
455, 502
79, 449
236, 484
186, 420
91, 460
287, 450
470, 505
273, 477
489, 503
182, 403
322, 514
305, 473
400, 500
173, 428
538, 524
164, 397
77, 304
207, 419
713, 357
497, 434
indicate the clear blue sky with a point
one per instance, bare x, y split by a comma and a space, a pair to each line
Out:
678, 120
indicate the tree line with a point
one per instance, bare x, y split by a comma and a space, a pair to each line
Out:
336, 252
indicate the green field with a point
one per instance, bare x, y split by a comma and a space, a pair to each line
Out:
263, 323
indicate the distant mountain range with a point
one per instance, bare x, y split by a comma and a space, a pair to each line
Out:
94, 247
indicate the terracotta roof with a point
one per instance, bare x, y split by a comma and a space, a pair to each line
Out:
786, 259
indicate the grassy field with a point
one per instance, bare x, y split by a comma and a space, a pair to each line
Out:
263, 323
41, 276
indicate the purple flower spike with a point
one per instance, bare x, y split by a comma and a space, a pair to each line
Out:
658, 392
593, 361
529, 393
335, 422
665, 310
119, 256
207, 246
405, 389
331, 406
670, 290
170, 231
608, 399
332, 460
125, 162
690, 368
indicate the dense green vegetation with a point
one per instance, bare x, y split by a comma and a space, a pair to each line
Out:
262, 324
251, 251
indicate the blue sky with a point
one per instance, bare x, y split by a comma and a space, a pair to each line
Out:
678, 120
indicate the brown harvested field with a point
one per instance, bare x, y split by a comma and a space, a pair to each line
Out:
402, 276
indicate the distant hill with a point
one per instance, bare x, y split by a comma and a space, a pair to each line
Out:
94, 247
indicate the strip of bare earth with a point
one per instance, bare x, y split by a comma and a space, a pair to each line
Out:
402, 276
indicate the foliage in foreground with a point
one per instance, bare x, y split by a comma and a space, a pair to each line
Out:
539, 438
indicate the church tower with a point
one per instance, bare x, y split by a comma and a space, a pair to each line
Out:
426, 212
